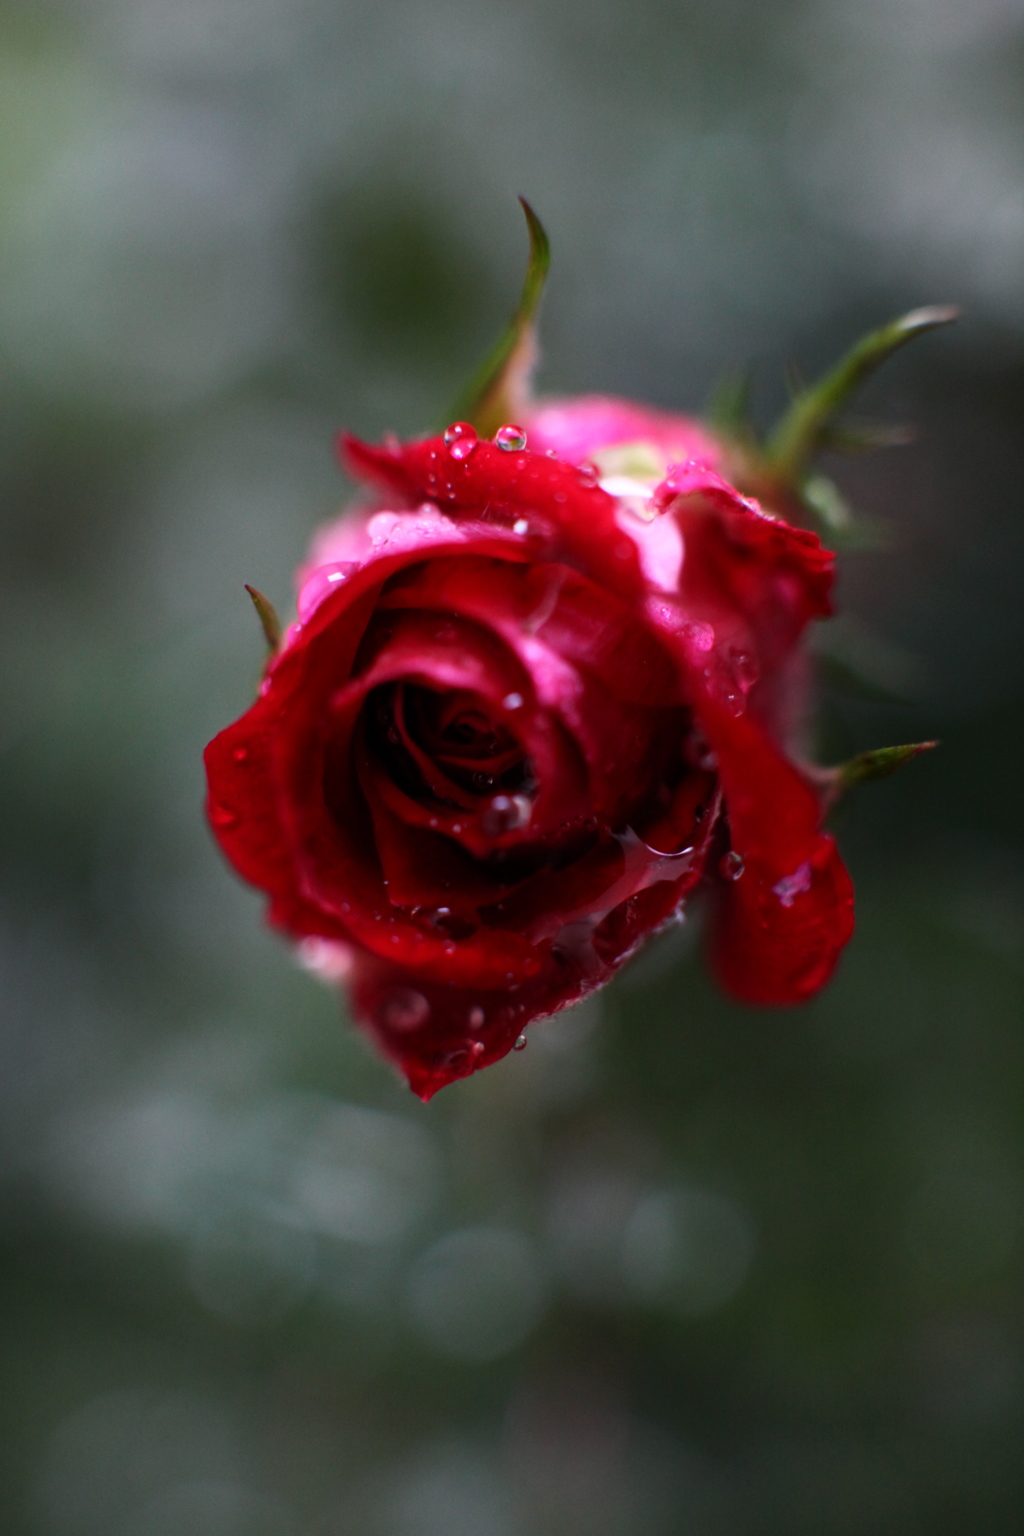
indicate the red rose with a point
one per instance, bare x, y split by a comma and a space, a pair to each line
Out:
536, 693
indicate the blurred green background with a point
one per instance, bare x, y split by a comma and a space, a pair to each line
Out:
678, 1269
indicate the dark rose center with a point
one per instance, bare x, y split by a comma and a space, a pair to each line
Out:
444, 746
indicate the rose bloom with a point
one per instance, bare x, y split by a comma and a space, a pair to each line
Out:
538, 691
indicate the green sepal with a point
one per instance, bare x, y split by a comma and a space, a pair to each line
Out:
728, 409
878, 764
496, 393
272, 627
846, 528
828, 503
803, 428
866, 436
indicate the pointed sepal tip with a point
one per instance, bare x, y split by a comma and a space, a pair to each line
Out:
878, 764
267, 614
498, 390
804, 426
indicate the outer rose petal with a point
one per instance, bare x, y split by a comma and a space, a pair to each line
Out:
566, 518
749, 585
777, 942
438, 1032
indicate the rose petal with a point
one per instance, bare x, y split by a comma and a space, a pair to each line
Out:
773, 946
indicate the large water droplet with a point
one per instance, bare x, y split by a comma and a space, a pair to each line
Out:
589, 473
444, 921
731, 866
744, 669
405, 1010
460, 439
519, 1044
520, 526
510, 437
505, 813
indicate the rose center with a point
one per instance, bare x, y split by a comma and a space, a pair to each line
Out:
445, 746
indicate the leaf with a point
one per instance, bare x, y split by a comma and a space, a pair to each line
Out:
803, 428
497, 391
272, 627
878, 764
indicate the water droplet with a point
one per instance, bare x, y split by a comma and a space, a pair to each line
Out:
551, 453
519, 1044
476, 1049
510, 437
645, 510
744, 669
444, 921
512, 701
482, 781
505, 814
393, 736
731, 866
520, 525
460, 439
589, 473
476, 1017
240, 754
405, 1010
223, 816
